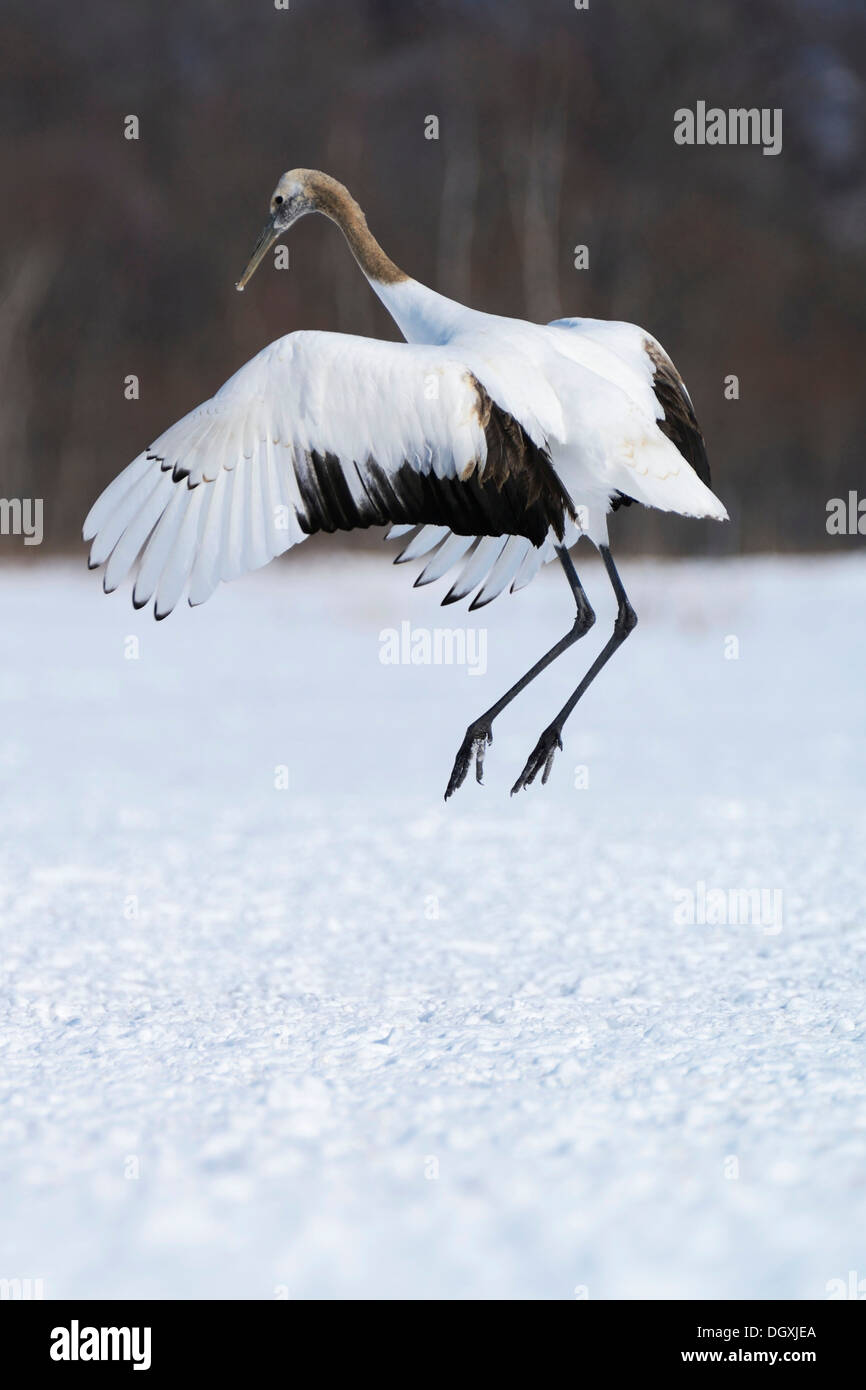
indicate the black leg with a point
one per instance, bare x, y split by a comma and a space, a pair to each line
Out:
480, 731
541, 757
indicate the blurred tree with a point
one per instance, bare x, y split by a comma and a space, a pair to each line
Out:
556, 129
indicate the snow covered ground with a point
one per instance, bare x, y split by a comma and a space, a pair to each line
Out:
275, 1020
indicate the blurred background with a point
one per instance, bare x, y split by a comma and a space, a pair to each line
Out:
555, 129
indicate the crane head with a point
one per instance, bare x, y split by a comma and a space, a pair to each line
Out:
293, 197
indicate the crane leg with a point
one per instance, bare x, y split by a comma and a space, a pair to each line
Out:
480, 732
542, 755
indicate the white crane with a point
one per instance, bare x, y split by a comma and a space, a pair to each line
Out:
499, 443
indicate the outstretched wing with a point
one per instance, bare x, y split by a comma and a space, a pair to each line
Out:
490, 563
321, 432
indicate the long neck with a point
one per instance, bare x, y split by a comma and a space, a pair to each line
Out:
336, 202
422, 315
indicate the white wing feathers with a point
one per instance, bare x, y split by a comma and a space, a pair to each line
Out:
320, 431
449, 445
624, 385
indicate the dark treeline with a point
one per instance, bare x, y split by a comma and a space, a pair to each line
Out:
555, 130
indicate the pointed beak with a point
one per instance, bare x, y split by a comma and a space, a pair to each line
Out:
269, 235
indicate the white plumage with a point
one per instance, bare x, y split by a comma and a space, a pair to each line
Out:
501, 441
218, 493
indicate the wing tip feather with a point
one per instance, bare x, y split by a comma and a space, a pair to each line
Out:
480, 601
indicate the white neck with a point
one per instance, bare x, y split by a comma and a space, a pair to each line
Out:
422, 315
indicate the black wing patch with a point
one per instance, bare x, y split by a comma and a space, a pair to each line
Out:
516, 492
680, 423
620, 499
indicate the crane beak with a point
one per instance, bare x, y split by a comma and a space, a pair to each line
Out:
269, 235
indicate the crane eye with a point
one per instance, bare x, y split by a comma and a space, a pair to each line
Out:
277, 200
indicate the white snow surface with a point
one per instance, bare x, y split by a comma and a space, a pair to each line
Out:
340, 1039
